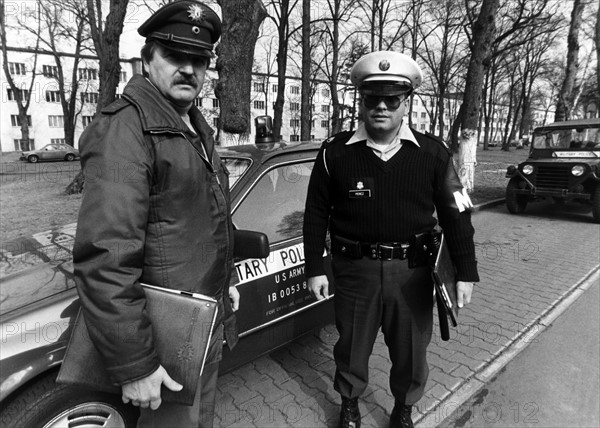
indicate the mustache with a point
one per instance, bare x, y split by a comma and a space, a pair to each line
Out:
186, 81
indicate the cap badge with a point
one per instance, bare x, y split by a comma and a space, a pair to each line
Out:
384, 65
360, 185
196, 13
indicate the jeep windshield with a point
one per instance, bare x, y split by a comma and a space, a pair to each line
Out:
580, 138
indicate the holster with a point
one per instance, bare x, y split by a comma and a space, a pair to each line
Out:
423, 249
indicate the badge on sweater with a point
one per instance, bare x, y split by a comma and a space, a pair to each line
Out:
360, 188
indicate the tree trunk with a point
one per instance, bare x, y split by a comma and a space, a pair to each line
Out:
565, 97
106, 43
241, 22
483, 32
305, 116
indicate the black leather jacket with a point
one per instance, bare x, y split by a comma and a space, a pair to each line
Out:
156, 210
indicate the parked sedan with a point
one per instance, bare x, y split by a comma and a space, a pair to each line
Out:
51, 152
39, 302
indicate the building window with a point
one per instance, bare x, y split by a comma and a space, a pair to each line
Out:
16, 68
324, 124
50, 70
53, 96
423, 115
86, 120
123, 76
415, 102
313, 107
216, 122
414, 114
295, 106
56, 121
16, 121
215, 103
259, 87
198, 102
21, 145
312, 123
325, 109
275, 88
326, 93
57, 141
118, 96
89, 97
11, 96
312, 137
422, 127
295, 90
295, 122
294, 137
88, 73
259, 105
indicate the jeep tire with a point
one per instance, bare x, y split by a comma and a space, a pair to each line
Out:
515, 203
44, 403
596, 203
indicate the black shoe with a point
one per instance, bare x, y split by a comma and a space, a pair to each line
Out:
400, 417
350, 415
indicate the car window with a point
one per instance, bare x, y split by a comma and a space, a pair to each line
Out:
236, 167
275, 205
48, 148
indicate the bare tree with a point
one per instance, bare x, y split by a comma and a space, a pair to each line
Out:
21, 96
241, 22
106, 33
281, 18
305, 104
597, 43
442, 52
481, 48
566, 95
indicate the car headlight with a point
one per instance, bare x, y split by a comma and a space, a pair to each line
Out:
577, 170
527, 169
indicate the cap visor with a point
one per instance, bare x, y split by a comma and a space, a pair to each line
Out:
187, 49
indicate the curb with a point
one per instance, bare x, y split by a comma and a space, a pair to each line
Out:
479, 379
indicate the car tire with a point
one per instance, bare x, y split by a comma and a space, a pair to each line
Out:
70, 157
50, 405
515, 203
596, 204
33, 159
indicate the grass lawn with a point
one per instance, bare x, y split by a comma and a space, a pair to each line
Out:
32, 196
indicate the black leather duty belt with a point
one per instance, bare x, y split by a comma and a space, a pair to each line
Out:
377, 250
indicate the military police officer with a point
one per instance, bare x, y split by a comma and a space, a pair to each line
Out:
376, 191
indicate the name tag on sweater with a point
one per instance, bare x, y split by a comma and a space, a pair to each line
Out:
360, 188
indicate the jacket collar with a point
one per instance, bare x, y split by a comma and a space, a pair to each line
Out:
156, 113
404, 134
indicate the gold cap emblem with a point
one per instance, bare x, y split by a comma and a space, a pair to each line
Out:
384, 65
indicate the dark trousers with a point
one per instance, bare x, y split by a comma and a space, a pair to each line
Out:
201, 413
370, 294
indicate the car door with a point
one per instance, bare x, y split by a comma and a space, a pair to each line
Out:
275, 288
47, 152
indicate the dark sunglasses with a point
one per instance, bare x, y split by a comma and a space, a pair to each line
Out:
392, 102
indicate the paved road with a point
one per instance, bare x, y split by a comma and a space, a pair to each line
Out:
554, 382
529, 264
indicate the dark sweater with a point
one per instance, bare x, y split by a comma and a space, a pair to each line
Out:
404, 192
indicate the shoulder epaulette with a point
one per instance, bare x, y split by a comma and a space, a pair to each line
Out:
115, 106
339, 137
439, 141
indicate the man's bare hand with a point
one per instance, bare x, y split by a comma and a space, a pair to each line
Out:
234, 296
145, 392
319, 286
463, 291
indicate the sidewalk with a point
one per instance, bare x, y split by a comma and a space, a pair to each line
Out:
531, 267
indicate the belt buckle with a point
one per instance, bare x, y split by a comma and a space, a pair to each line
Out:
385, 252
394, 251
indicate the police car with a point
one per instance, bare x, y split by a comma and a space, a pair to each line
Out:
39, 302
563, 165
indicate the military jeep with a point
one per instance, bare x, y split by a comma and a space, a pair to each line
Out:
563, 165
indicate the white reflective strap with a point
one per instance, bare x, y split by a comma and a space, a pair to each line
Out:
325, 161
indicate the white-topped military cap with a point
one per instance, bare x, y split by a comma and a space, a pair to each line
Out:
386, 73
